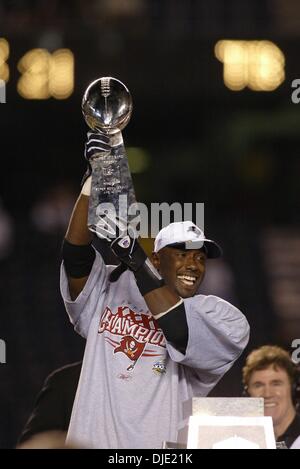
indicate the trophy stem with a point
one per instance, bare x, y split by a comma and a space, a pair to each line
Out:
112, 188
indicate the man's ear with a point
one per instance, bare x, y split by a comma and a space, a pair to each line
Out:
155, 260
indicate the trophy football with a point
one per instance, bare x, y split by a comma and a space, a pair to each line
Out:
107, 107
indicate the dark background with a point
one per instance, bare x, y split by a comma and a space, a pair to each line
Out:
238, 152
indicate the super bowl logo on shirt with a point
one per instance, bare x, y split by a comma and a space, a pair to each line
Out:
140, 334
159, 367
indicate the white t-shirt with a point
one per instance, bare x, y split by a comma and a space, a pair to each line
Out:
133, 382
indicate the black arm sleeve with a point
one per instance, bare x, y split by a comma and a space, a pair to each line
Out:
175, 328
147, 278
78, 260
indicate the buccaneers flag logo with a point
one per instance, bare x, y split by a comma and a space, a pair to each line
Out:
132, 348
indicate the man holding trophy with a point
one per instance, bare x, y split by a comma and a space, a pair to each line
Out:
152, 340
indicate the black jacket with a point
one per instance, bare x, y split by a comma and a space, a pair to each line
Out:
53, 406
292, 432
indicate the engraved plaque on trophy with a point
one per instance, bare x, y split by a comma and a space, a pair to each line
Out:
107, 107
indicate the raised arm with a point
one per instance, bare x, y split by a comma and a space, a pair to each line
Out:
78, 254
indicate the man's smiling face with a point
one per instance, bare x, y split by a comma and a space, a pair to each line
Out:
273, 384
182, 269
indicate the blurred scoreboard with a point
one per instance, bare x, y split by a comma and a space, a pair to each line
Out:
43, 74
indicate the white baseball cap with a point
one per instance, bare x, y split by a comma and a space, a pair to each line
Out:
188, 234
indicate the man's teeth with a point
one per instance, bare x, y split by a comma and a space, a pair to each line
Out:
271, 404
187, 279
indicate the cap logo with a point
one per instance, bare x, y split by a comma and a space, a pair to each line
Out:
195, 230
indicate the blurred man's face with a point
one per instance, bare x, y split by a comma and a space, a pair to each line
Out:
273, 384
182, 269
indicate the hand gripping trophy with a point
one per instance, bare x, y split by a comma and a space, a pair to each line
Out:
107, 107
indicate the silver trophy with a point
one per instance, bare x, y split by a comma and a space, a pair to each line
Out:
107, 107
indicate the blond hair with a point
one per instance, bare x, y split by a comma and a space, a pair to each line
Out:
266, 356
